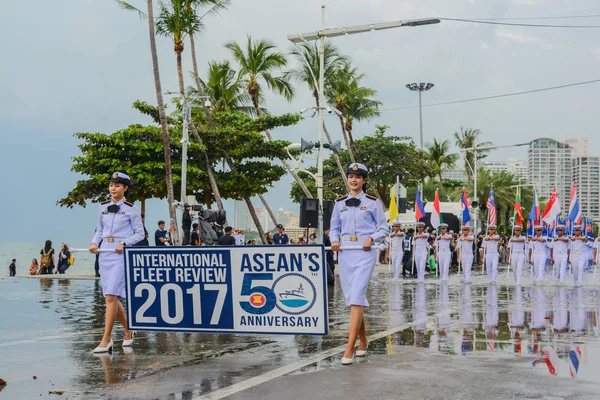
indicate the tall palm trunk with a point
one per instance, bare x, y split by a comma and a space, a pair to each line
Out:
350, 152
350, 137
180, 70
269, 210
163, 122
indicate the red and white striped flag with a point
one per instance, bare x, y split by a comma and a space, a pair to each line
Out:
491, 206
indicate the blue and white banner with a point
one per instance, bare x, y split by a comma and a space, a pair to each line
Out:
239, 289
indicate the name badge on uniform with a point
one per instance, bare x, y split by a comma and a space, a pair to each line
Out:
344, 209
363, 207
105, 211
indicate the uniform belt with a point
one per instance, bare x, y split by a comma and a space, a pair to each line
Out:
444, 250
354, 238
113, 239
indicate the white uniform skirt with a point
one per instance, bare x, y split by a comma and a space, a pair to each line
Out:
355, 269
112, 271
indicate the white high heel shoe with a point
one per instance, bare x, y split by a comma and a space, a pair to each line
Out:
347, 361
104, 349
129, 343
362, 353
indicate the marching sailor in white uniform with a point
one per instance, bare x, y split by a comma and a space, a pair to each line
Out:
119, 225
559, 253
420, 250
577, 256
490, 251
537, 254
465, 251
516, 253
396, 249
357, 219
443, 252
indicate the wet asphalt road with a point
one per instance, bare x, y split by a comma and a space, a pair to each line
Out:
49, 328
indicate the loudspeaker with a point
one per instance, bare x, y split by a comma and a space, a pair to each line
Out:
309, 213
402, 205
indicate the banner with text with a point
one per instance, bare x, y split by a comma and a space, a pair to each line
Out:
240, 289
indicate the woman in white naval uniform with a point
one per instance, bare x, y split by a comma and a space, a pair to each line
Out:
537, 254
443, 253
119, 225
577, 256
420, 250
357, 219
396, 249
465, 251
516, 253
490, 251
559, 253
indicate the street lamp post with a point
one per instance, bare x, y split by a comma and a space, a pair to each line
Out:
321, 34
420, 87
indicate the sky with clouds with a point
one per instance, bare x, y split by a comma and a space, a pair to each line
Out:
72, 66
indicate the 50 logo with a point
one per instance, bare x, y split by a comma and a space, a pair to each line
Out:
291, 293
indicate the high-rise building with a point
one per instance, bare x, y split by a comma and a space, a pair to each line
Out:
579, 145
516, 167
586, 178
456, 174
549, 166
241, 216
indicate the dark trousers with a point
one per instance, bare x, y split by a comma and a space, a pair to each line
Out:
407, 266
187, 237
13, 272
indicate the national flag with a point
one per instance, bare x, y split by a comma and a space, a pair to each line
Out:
518, 212
464, 203
568, 226
551, 359
436, 215
530, 226
574, 207
589, 228
552, 208
393, 207
419, 209
574, 357
491, 206
552, 228
534, 214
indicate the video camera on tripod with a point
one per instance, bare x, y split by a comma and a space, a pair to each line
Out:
210, 223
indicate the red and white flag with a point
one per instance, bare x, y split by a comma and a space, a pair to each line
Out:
436, 214
552, 208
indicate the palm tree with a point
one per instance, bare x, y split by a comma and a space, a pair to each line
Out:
438, 153
354, 101
469, 138
161, 111
307, 56
257, 64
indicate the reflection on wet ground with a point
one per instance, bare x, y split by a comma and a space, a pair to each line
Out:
49, 328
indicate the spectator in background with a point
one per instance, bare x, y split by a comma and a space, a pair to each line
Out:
33, 268
301, 240
312, 239
280, 237
47, 258
227, 239
63, 259
186, 225
12, 268
196, 241
144, 241
269, 238
162, 237
239, 238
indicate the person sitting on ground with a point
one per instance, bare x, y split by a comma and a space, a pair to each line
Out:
63, 259
227, 239
47, 258
33, 268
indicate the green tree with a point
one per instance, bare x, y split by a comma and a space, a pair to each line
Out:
383, 155
469, 138
440, 156
225, 89
161, 109
354, 101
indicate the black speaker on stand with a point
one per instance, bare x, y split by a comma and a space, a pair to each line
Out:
309, 213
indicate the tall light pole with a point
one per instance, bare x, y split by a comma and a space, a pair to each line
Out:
297, 38
420, 87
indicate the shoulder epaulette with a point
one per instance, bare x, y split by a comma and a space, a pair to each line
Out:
105, 202
341, 198
371, 197
130, 204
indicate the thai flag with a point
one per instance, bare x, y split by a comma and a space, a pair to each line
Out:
464, 203
419, 209
551, 359
574, 208
574, 357
491, 206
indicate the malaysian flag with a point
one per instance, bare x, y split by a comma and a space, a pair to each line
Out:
491, 206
